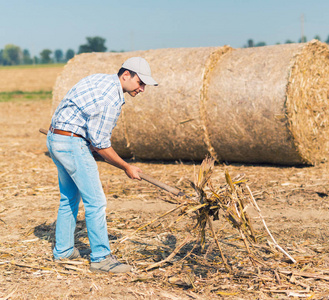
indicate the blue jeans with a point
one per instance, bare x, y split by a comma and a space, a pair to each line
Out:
78, 177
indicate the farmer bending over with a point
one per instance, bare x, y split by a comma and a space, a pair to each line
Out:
86, 117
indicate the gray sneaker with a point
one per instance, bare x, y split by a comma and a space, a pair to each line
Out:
76, 254
110, 264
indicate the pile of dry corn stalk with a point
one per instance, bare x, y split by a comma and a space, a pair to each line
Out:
230, 204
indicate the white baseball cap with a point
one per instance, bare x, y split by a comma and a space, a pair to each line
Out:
141, 67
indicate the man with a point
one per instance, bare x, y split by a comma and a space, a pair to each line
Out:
85, 119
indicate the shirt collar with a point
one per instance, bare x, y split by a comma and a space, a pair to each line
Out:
118, 84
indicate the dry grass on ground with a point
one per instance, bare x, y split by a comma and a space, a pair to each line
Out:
35, 78
294, 202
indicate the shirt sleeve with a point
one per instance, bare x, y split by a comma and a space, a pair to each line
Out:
100, 126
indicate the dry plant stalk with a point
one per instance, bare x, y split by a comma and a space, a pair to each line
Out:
232, 200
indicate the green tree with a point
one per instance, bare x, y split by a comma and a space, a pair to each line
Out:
45, 56
27, 60
260, 44
289, 42
69, 54
12, 55
58, 55
250, 43
317, 37
1, 58
327, 41
94, 44
303, 39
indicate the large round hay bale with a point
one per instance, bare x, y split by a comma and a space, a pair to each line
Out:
270, 104
258, 105
165, 122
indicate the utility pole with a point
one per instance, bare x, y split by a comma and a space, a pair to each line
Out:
302, 39
132, 41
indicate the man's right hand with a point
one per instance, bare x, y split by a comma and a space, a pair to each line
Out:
133, 172
113, 158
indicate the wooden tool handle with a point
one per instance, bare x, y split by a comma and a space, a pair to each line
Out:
160, 184
145, 177
44, 131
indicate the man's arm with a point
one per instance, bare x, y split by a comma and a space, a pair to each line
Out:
114, 159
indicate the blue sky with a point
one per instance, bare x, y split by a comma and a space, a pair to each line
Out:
145, 24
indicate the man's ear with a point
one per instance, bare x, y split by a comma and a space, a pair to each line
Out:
125, 75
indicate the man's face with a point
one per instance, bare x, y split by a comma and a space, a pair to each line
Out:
132, 85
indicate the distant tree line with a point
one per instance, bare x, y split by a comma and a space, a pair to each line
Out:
13, 55
251, 43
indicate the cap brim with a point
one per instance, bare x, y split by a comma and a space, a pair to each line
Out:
148, 80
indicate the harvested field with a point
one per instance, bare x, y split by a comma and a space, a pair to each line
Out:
294, 202
32, 78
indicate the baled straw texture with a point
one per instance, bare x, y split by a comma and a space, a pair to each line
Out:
269, 104
307, 102
258, 105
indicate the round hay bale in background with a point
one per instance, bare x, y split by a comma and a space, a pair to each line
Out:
258, 105
270, 104
165, 122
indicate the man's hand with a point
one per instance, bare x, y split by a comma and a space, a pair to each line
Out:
132, 172
114, 159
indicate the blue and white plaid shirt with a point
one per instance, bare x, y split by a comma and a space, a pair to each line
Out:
91, 108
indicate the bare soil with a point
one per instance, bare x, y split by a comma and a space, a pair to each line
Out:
293, 200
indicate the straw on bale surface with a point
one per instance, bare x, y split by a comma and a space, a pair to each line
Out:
167, 123
265, 104
270, 104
